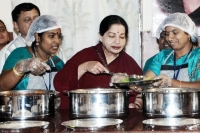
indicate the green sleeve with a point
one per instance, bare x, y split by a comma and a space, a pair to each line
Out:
15, 56
58, 63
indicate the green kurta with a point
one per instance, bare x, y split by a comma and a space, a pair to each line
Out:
21, 54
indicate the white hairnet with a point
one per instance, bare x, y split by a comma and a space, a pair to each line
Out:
181, 21
41, 24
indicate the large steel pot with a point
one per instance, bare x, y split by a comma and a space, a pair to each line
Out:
171, 102
98, 102
26, 104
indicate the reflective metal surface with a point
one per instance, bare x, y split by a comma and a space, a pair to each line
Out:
92, 122
171, 102
57, 100
23, 124
100, 102
141, 83
171, 121
25, 104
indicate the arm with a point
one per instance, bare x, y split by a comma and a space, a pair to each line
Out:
182, 84
10, 78
147, 63
94, 67
81, 63
150, 74
173, 82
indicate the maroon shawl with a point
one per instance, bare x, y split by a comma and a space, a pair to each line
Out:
67, 78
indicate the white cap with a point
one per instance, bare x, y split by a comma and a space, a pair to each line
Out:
181, 21
41, 24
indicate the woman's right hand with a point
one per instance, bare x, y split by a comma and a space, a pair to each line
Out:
34, 65
95, 67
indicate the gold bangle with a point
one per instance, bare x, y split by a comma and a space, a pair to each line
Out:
17, 73
180, 84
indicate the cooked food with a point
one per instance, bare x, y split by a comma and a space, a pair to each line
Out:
125, 80
135, 78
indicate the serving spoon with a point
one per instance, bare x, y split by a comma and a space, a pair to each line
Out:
113, 73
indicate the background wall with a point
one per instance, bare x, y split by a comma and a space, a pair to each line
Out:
149, 44
80, 20
146, 15
5, 14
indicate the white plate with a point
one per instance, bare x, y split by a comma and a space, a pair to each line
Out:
91, 123
23, 124
172, 122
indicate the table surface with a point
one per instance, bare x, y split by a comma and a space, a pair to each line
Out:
133, 122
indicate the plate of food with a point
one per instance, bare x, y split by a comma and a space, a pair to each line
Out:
137, 80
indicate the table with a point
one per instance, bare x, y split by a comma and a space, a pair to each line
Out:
131, 123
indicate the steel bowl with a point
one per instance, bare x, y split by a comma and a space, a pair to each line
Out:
98, 102
171, 102
26, 104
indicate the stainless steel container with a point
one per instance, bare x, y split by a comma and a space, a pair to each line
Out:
171, 102
26, 104
98, 102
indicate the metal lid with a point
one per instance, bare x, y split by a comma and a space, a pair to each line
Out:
97, 90
172, 122
23, 124
92, 122
24, 92
171, 90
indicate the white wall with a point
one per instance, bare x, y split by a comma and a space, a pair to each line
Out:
5, 13
133, 49
6, 7
146, 15
80, 21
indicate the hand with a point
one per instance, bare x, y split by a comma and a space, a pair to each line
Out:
138, 102
135, 88
95, 67
118, 77
34, 65
165, 82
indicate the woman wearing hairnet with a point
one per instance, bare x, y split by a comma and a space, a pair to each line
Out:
178, 67
34, 67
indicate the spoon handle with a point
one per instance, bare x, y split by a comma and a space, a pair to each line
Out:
110, 73
113, 73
